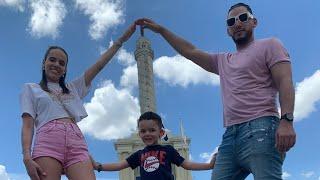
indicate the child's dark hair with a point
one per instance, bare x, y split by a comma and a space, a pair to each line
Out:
151, 116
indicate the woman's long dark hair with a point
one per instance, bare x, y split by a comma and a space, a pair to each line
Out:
44, 82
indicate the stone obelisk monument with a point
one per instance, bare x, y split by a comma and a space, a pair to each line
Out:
144, 57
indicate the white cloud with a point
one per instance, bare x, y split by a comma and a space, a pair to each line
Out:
129, 78
285, 175
173, 70
47, 17
307, 95
207, 156
112, 113
177, 70
17, 4
3, 173
103, 14
125, 58
308, 174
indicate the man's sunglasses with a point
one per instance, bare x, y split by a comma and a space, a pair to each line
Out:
244, 17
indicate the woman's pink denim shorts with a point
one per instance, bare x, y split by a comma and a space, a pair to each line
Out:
60, 140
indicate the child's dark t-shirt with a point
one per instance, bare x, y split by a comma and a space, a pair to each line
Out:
155, 162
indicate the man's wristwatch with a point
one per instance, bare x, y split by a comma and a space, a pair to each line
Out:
288, 117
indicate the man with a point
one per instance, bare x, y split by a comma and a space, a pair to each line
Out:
255, 140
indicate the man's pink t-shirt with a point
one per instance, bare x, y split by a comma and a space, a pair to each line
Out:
248, 90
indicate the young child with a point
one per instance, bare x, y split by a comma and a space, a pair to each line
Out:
155, 159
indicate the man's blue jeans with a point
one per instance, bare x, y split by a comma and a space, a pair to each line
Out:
249, 148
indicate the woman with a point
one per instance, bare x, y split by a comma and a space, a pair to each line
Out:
53, 108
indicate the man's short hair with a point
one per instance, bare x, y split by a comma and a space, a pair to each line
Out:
239, 5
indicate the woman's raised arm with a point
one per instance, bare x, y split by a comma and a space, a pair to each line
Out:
107, 56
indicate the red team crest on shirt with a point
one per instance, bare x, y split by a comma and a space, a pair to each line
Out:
151, 160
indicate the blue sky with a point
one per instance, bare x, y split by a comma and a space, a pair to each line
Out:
183, 91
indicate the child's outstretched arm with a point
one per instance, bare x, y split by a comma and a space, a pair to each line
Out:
109, 166
189, 165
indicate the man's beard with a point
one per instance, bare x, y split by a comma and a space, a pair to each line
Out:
243, 40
